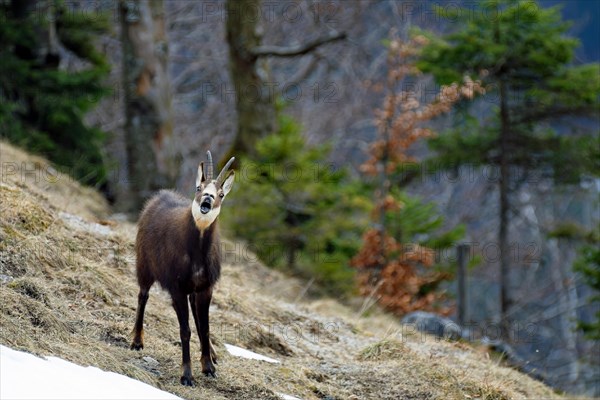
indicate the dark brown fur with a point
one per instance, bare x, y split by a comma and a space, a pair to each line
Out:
170, 249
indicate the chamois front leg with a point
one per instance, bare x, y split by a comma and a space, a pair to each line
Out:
181, 308
202, 305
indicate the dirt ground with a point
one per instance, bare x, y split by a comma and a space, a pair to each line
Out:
68, 289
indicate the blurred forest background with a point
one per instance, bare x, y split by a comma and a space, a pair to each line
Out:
372, 139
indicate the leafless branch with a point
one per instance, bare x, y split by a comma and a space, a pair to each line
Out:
292, 51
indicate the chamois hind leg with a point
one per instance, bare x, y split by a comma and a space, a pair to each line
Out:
202, 305
213, 352
138, 329
181, 308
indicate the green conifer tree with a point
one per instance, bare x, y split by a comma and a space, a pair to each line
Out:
297, 212
523, 56
42, 106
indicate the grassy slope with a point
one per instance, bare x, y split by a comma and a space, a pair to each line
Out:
67, 289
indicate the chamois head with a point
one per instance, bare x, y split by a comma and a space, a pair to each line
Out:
210, 192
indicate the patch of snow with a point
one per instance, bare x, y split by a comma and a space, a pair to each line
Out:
25, 376
239, 352
287, 397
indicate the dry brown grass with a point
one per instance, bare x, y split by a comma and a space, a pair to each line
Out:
68, 289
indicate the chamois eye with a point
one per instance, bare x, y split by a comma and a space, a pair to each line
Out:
221, 195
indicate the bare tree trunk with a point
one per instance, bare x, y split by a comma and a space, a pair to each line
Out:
255, 97
505, 302
462, 253
149, 139
254, 101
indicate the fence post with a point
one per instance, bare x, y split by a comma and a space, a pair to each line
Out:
461, 256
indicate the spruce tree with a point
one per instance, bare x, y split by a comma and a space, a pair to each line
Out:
296, 211
42, 106
524, 58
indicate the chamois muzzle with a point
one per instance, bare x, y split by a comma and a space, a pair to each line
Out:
206, 204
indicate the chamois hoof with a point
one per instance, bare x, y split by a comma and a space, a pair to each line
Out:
187, 381
136, 346
208, 368
211, 374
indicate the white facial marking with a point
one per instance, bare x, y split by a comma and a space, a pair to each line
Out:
203, 221
210, 189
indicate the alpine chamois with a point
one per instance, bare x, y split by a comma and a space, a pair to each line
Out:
178, 245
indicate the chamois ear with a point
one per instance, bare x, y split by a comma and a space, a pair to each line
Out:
228, 182
200, 178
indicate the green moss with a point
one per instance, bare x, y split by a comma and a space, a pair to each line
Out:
567, 230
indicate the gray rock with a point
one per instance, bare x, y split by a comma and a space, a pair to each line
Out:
433, 324
150, 361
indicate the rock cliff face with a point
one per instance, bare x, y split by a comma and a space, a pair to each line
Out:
548, 296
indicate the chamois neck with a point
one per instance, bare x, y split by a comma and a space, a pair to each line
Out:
204, 231
208, 231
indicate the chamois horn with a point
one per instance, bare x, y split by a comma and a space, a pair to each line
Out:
209, 167
223, 173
